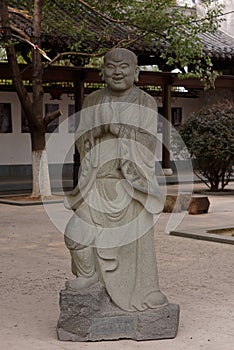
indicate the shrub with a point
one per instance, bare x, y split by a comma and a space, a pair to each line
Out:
209, 137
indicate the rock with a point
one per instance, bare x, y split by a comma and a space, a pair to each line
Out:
176, 203
194, 204
172, 204
90, 315
199, 205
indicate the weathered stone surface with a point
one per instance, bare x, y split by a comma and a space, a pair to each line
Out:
90, 315
110, 235
199, 205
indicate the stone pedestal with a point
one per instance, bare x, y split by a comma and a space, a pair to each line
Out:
90, 315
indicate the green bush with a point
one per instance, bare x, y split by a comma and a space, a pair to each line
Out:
209, 137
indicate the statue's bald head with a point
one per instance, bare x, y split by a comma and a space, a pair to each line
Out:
120, 70
119, 54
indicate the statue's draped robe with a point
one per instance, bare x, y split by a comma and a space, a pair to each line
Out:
118, 195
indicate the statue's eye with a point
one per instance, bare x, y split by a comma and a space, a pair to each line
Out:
124, 65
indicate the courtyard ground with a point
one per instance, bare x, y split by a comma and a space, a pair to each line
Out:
196, 274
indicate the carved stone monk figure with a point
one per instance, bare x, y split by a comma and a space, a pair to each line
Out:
110, 235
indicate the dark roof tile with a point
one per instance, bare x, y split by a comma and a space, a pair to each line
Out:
218, 45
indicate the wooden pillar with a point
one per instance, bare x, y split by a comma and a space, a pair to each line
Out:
79, 98
166, 161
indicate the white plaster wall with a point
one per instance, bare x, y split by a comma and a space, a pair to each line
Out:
16, 146
189, 105
60, 146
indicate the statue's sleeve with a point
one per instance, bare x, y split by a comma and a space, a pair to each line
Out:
138, 147
84, 141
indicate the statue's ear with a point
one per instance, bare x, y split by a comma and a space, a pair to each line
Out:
136, 76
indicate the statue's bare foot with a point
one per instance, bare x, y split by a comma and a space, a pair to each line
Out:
157, 299
81, 282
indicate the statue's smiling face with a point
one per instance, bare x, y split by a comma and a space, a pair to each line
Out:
120, 72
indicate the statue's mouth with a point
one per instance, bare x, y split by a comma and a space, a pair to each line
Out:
117, 79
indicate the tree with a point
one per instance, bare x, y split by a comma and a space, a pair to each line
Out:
87, 29
209, 136
33, 108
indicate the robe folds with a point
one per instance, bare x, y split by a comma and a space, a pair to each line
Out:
117, 197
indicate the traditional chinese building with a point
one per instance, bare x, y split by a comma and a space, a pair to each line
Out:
65, 88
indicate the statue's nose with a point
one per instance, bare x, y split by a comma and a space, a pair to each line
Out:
117, 70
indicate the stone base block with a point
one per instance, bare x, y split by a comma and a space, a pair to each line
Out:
199, 205
176, 203
90, 315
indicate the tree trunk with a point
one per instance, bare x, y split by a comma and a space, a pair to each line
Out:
40, 169
33, 109
41, 178
12, 59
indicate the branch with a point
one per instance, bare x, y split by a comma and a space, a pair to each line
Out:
110, 19
12, 59
51, 116
201, 178
36, 47
101, 14
98, 54
203, 19
135, 25
23, 36
73, 53
128, 41
23, 13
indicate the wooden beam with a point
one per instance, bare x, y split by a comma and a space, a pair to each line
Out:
71, 74
224, 81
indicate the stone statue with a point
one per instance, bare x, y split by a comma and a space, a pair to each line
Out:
110, 235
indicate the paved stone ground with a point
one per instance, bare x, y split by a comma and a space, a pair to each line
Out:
34, 265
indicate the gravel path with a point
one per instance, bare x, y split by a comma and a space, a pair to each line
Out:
34, 265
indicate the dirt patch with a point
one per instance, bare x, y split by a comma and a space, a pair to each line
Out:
28, 198
23, 200
223, 231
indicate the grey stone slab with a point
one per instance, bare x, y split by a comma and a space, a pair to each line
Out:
22, 202
90, 315
113, 327
204, 236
